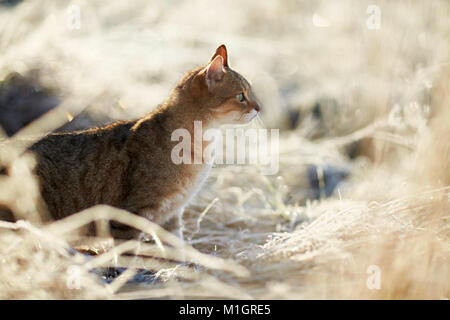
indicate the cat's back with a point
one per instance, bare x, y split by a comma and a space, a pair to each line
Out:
66, 147
83, 168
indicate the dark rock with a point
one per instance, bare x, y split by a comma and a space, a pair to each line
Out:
323, 180
9, 3
108, 275
22, 100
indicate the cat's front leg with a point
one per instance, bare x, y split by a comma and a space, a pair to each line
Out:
121, 231
180, 223
162, 218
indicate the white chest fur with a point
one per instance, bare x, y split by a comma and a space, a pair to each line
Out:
186, 190
192, 187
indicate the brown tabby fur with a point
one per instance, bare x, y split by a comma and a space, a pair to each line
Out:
128, 164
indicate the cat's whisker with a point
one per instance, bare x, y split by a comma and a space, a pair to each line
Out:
260, 122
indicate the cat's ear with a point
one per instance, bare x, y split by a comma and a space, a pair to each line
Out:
215, 71
221, 51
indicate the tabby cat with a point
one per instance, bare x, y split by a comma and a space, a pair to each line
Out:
128, 164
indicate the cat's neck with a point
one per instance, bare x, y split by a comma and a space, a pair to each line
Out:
174, 114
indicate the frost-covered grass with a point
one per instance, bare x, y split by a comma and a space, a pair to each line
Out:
248, 235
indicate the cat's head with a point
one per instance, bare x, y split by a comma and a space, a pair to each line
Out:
222, 94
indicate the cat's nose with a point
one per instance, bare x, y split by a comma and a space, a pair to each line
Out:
257, 107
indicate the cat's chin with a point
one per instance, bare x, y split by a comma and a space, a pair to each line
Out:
248, 117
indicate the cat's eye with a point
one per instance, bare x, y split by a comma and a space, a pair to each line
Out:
240, 97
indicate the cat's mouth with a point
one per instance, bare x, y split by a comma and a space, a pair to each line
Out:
248, 116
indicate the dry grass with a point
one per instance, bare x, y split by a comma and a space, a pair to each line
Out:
248, 235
